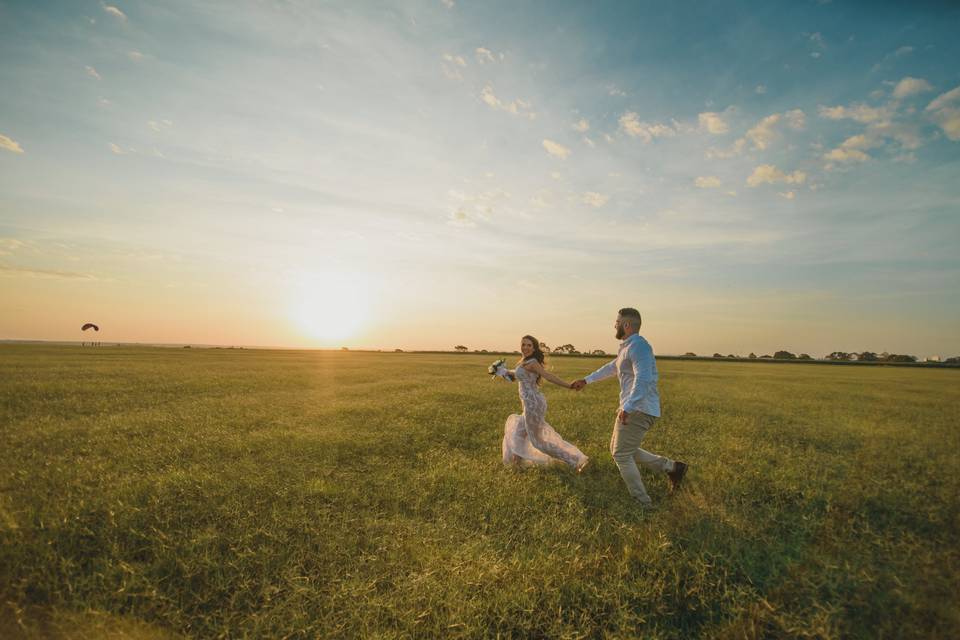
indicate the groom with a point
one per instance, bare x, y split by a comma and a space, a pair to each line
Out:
639, 407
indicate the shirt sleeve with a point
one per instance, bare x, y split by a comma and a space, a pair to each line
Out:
640, 360
607, 370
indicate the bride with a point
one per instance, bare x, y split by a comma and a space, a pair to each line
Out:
528, 437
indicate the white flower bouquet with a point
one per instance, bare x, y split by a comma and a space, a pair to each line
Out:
499, 370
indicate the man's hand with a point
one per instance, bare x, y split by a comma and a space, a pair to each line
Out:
624, 416
576, 385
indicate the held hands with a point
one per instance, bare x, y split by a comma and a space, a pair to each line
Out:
577, 385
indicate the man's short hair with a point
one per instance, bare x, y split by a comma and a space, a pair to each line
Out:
631, 314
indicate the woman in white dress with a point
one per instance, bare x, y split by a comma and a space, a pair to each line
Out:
528, 437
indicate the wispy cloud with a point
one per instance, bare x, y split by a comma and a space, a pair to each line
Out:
712, 122
136, 56
516, 107
707, 182
10, 144
582, 125
92, 72
485, 56
614, 90
768, 173
449, 4
595, 199
911, 86
857, 112
631, 124
18, 272
114, 11
556, 149
945, 112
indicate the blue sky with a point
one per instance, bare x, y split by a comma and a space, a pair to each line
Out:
752, 176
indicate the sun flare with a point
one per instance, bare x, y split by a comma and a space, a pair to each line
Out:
331, 306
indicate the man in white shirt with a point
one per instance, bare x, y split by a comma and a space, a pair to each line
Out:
639, 407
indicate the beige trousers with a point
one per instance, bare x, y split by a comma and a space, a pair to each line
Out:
626, 451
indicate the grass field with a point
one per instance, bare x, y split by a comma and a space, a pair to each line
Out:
158, 493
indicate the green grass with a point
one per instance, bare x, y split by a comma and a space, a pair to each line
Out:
151, 493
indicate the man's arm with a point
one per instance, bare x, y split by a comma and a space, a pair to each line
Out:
607, 370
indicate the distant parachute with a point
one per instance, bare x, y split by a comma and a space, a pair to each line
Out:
89, 325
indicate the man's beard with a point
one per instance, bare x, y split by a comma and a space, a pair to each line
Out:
620, 333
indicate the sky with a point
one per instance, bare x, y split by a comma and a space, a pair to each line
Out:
751, 176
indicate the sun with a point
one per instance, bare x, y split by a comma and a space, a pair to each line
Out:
331, 306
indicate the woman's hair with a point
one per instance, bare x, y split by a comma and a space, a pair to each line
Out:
537, 352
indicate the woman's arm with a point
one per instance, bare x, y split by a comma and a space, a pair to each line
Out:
537, 368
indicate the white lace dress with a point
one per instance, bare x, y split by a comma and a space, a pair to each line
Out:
528, 437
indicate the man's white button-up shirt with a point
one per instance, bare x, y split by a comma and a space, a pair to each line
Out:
637, 369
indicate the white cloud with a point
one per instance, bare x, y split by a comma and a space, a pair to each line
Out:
902, 51
10, 144
556, 149
517, 107
136, 56
796, 119
595, 199
735, 149
447, 3
760, 89
485, 55
712, 122
614, 90
117, 149
768, 173
910, 86
631, 124
945, 112
92, 72
460, 218
582, 125
841, 154
857, 112
707, 182
116, 13
590, 143
763, 133
457, 60
9, 245
789, 195
817, 39
159, 125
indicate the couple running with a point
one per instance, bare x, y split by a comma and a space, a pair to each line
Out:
528, 437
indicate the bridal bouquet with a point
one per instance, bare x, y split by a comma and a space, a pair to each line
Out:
499, 370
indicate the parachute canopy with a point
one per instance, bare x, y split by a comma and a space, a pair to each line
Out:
89, 325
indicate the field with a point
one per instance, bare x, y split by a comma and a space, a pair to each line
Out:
163, 493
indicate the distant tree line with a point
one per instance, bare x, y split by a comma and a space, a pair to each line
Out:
837, 356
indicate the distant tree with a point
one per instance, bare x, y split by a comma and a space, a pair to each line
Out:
718, 355
460, 347
766, 355
730, 355
598, 352
804, 356
483, 351
566, 348
544, 347
839, 355
953, 360
752, 356
894, 357
398, 350
344, 349
784, 355
867, 356
690, 354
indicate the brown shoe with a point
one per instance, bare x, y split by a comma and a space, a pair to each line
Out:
676, 476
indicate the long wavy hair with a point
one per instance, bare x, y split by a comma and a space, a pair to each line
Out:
537, 352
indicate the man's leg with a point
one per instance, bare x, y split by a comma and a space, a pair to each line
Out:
624, 445
651, 461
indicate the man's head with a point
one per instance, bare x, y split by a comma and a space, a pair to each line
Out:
628, 322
